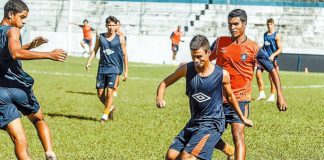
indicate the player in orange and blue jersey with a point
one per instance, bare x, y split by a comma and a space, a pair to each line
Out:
175, 39
239, 55
87, 35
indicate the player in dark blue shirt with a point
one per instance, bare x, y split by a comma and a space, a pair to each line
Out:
112, 63
16, 93
272, 47
205, 83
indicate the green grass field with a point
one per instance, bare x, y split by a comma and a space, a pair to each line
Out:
140, 131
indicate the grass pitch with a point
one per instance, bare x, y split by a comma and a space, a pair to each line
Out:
67, 95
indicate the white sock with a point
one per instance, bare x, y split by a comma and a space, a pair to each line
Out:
104, 117
261, 93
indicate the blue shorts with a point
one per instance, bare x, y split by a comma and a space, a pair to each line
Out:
87, 41
106, 80
230, 114
14, 101
275, 63
175, 47
197, 139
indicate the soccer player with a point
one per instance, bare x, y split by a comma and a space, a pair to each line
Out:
87, 36
175, 40
122, 34
16, 92
238, 55
113, 62
273, 47
205, 83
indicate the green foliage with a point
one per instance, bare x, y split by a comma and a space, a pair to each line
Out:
141, 131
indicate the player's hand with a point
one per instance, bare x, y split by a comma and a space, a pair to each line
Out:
125, 76
160, 103
281, 103
88, 65
37, 42
58, 55
247, 122
271, 58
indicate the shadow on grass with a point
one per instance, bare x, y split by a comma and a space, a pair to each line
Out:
79, 92
71, 116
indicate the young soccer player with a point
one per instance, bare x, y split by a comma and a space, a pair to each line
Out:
205, 83
175, 41
87, 36
113, 62
238, 55
16, 92
273, 47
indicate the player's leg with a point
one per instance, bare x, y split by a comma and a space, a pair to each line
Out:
111, 81
226, 148
176, 146
273, 88
175, 49
172, 154
28, 105
101, 95
18, 137
115, 94
238, 138
260, 83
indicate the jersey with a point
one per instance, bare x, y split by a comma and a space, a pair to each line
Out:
270, 45
11, 72
239, 60
205, 95
176, 37
86, 31
111, 55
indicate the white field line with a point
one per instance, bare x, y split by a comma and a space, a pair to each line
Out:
154, 79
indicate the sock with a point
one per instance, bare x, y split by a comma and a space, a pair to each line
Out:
228, 150
261, 93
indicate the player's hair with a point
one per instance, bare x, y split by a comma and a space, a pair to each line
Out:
238, 13
111, 19
16, 6
85, 20
270, 20
199, 41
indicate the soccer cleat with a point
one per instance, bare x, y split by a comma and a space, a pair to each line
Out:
115, 94
271, 98
111, 114
260, 97
50, 155
104, 118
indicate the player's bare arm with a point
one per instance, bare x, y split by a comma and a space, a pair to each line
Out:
93, 53
123, 46
230, 97
180, 72
18, 52
279, 45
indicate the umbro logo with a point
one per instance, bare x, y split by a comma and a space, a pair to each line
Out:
200, 97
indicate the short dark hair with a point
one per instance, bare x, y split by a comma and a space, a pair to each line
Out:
270, 20
238, 13
16, 6
199, 41
111, 19
85, 20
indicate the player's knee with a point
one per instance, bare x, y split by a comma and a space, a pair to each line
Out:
36, 118
19, 140
171, 155
187, 156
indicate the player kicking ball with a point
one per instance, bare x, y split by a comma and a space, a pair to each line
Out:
205, 83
